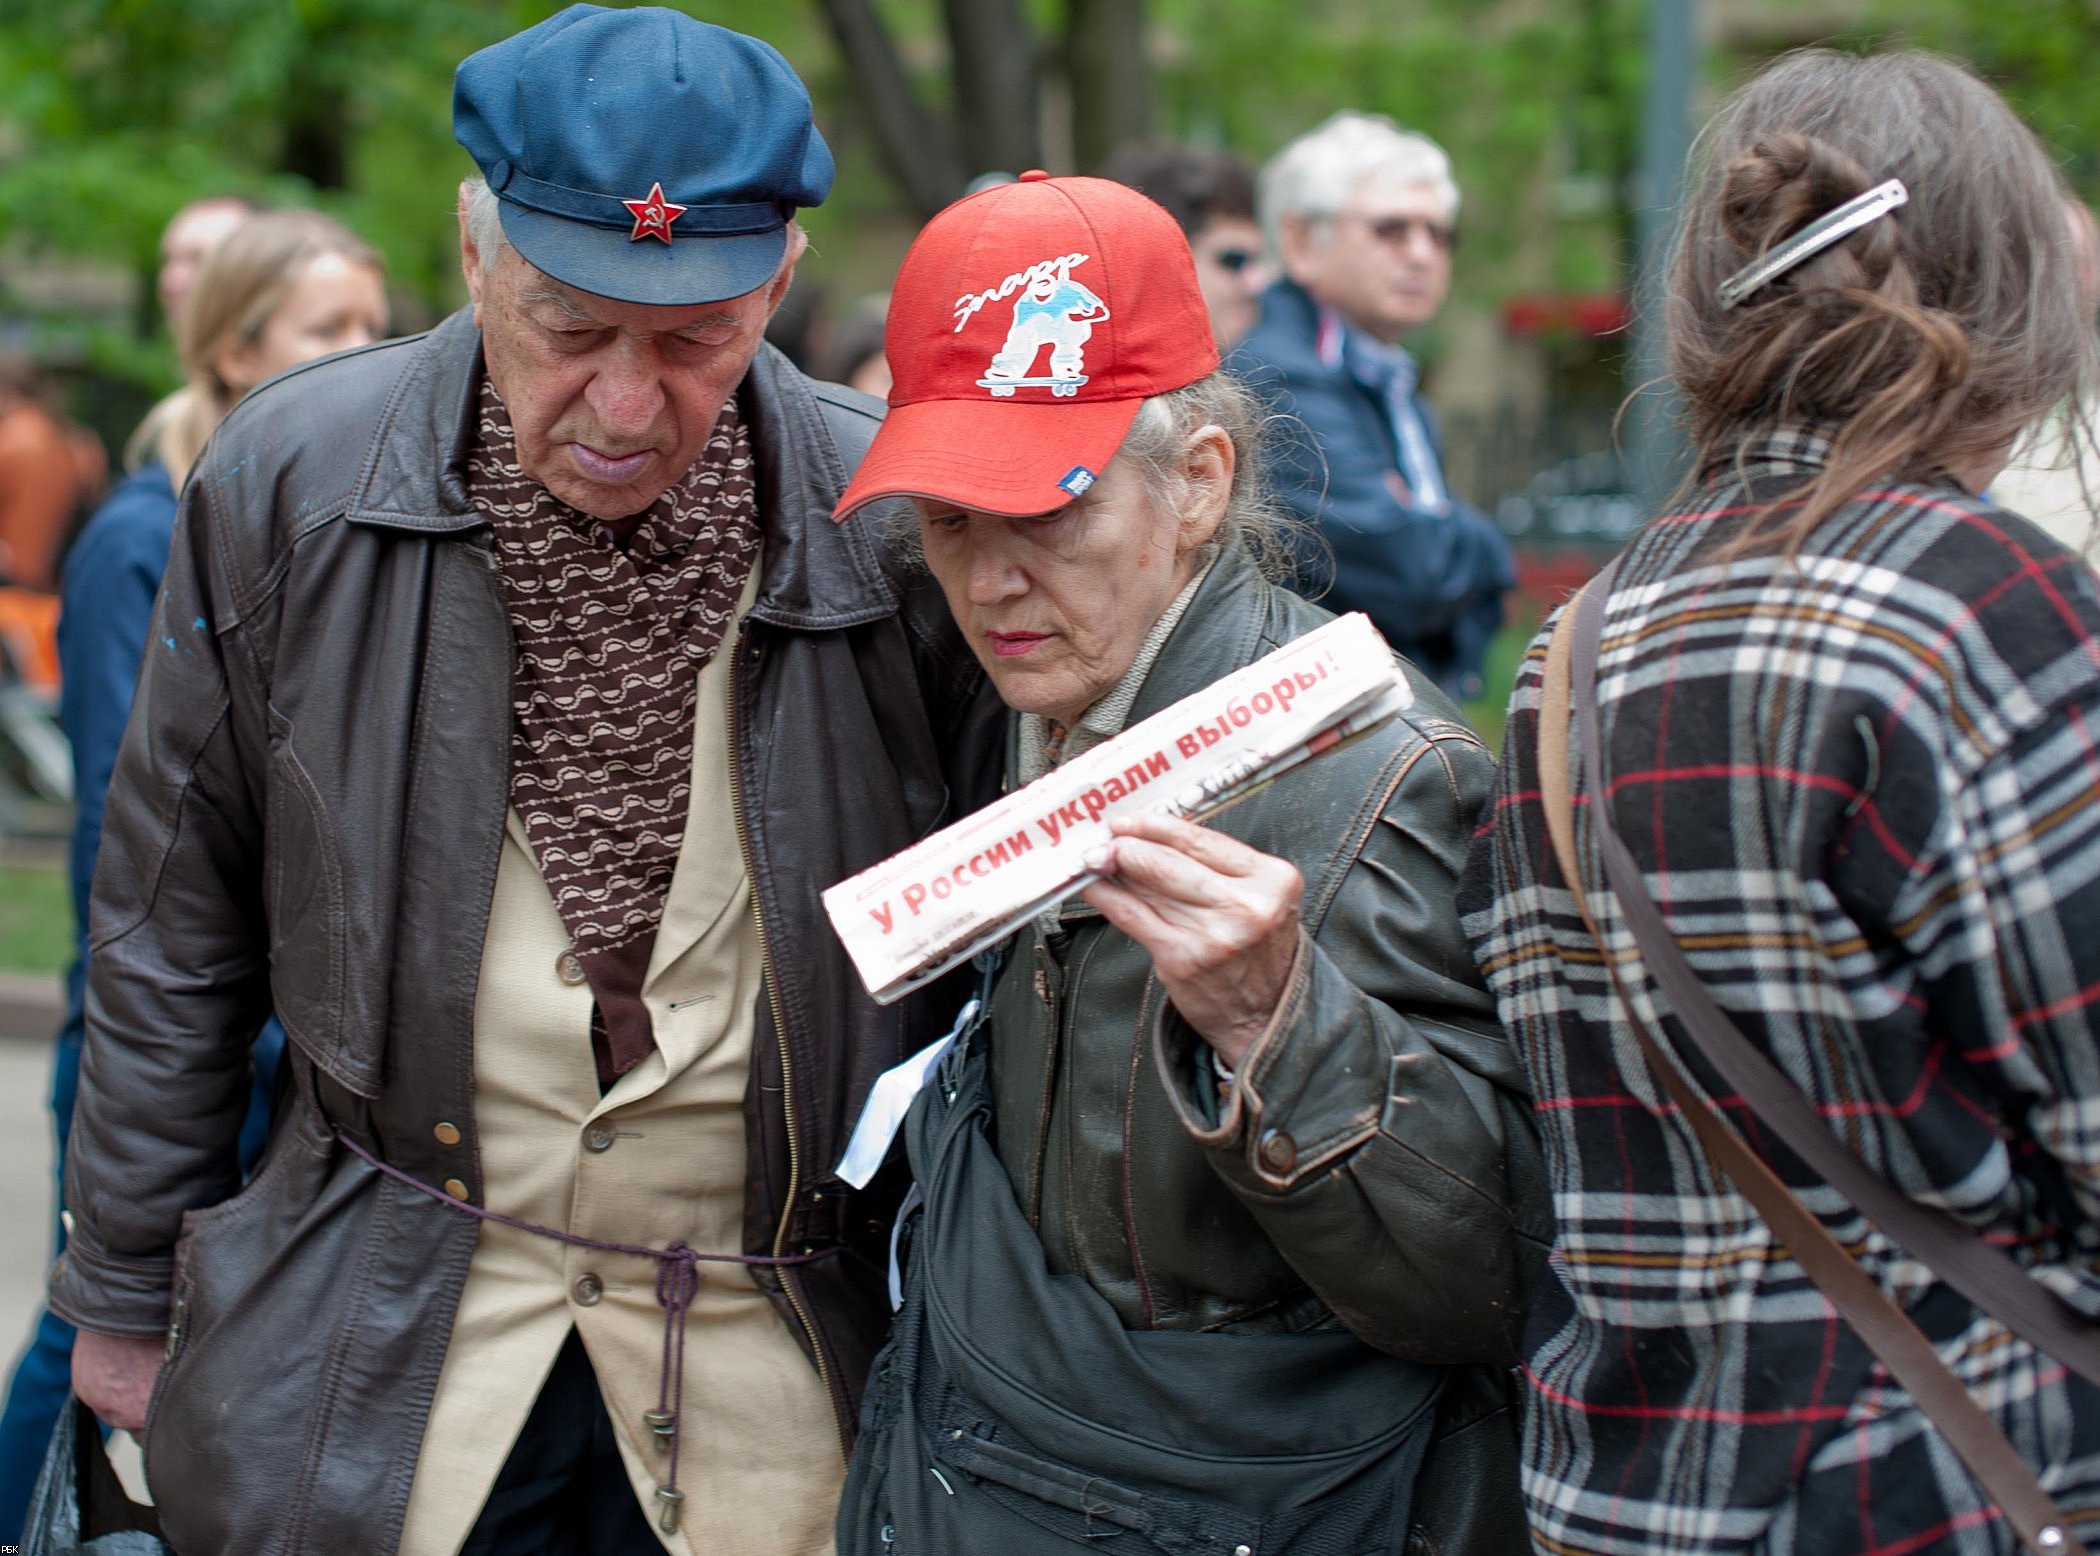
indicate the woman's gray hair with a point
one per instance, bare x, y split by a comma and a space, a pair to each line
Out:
1157, 446
1313, 177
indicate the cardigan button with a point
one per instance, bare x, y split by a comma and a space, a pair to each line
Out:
1278, 1151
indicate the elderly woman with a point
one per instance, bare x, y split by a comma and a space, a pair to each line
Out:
1238, 1175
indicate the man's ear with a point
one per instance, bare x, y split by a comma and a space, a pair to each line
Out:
784, 277
1299, 240
1208, 461
470, 258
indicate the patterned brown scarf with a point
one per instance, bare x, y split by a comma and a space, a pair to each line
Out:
611, 637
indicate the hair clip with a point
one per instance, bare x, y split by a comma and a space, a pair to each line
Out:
1811, 240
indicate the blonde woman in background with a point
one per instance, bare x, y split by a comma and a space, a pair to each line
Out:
280, 289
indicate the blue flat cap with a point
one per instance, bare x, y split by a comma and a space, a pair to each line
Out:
642, 155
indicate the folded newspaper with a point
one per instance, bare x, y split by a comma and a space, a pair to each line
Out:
914, 916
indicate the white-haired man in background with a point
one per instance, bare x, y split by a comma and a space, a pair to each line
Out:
1361, 218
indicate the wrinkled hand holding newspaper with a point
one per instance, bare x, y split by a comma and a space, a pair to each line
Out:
918, 914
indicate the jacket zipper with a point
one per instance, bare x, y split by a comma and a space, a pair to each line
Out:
780, 1034
1049, 988
178, 1327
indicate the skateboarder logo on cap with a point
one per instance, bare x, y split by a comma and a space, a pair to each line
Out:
1052, 310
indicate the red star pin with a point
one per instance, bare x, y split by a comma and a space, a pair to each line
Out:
653, 216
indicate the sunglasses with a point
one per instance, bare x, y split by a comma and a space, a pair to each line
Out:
1399, 231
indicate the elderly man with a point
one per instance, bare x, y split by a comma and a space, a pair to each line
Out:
1361, 216
510, 703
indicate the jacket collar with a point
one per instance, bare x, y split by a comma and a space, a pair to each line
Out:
1797, 451
1285, 335
817, 575
1343, 348
1228, 624
1301, 335
413, 474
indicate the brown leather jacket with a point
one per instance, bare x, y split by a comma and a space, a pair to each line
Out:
306, 816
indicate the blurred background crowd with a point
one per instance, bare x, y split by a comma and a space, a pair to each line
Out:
135, 138
135, 135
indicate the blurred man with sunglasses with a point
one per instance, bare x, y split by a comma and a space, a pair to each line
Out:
1211, 194
1362, 217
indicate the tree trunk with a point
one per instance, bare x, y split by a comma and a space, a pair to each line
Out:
316, 127
997, 99
914, 147
1111, 77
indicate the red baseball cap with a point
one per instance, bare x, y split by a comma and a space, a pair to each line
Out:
1028, 324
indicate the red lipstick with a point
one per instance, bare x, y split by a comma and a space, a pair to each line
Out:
1010, 645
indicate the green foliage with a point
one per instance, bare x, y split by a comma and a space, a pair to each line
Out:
36, 920
2039, 53
119, 111
1528, 99
1488, 712
123, 110
114, 113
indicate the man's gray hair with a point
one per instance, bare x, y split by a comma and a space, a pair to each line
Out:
1313, 177
484, 220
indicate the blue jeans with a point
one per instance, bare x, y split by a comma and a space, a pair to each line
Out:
43, 1377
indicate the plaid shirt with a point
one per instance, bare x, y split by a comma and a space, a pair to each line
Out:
1863, 790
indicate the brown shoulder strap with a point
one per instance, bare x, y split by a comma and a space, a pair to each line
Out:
1980, 1272
1898, 1342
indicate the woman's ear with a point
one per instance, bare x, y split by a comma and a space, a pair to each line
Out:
1207, 465
235, 364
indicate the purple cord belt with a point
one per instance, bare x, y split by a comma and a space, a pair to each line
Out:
677, 1283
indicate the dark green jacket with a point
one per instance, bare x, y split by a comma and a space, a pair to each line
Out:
1376, 1159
